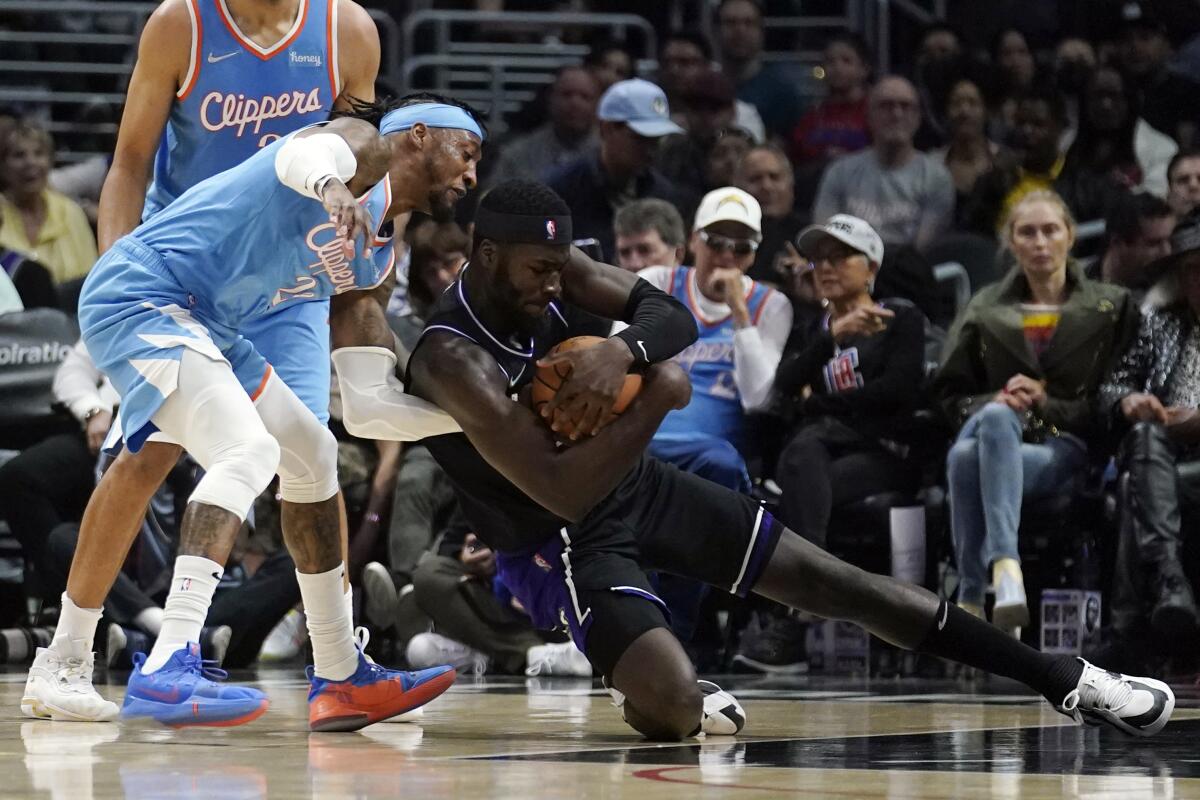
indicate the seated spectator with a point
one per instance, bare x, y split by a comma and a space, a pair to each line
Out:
569, 133
437, 251
940, 61
1074, 60
609, 62
35, 220
1183, 182
1019, 379
633, 118
708, 110
1014, 68
1138, 233
1037, 165
1113, 140
1168, 97
10, 298
32, 281
649, 233
50, 483
1151, 397
477, 624
766, 174
765, 86
969, 153
905, 195
686, 55
852, 378
720, 167
838, 125
743, 327
408, 481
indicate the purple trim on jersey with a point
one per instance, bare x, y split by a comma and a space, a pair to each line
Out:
762, 546
557, 313
642, 593
462, 298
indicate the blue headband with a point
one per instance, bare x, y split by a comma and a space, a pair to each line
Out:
432, 115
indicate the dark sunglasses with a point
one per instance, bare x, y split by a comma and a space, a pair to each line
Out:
721, 244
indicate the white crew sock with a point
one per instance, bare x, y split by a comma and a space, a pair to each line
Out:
75, 635
335, 655
350, 606
150, 620
192, 588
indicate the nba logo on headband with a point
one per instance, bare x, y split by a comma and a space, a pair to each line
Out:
551, 230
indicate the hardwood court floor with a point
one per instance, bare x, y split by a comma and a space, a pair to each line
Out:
560, 738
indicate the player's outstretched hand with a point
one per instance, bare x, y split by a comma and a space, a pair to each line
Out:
350, 218
585, 400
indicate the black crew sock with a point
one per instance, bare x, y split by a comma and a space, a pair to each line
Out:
959, 636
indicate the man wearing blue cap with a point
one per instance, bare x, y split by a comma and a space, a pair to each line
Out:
634, 117
162, 314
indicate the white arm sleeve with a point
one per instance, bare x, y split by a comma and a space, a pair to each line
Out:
80, 386
306, 163
757, 351
374, 405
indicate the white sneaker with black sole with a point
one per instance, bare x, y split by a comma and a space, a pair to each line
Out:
1137, 706
60, 688
723, 714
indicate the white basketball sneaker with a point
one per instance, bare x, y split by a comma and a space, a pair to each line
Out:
1137, 706
723, 714
60, 688
565, 660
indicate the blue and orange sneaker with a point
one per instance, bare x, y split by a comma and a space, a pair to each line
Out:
183, 693
372, 694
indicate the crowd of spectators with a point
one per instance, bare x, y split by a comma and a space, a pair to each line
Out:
825, 247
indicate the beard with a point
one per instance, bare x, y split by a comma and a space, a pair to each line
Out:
441, 205
517, 319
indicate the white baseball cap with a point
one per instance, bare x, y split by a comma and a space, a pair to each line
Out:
729, 204
853, 231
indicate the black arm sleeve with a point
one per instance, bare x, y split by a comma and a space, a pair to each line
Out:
660, 326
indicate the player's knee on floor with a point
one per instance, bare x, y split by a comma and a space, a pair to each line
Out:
308, 463
669, 712
238, 472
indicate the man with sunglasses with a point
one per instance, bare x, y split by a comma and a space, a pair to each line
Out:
743, 327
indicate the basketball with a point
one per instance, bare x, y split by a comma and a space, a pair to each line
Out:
550, 378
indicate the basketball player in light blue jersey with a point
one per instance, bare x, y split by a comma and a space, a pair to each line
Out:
304, 219
215, 81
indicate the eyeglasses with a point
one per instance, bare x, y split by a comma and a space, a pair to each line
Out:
836, 257
722, 244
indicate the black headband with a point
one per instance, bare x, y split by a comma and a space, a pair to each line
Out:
522, 228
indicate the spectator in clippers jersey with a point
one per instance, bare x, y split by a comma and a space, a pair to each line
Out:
743, 327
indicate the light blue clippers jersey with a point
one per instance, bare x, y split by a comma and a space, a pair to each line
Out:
239, 97
716, 407
242, 244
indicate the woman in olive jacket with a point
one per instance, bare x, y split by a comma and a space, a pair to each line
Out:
1019, 378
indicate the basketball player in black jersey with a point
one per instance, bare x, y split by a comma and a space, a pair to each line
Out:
577, 527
